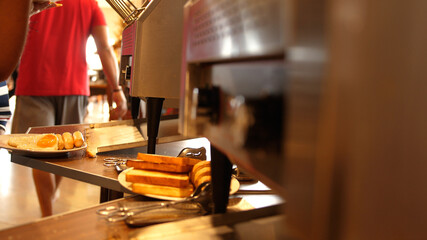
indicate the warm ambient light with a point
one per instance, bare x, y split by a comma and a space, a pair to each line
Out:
92, 57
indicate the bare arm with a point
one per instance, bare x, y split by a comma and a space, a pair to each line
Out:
110, 68
13, 29
14, 17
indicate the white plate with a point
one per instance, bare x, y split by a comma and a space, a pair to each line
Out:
234, 187
35, 153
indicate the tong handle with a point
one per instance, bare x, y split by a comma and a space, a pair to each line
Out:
124, 214
115, 214
198, 153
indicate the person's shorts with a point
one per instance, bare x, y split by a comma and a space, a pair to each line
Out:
35, 111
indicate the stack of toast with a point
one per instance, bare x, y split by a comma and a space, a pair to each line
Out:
166, 175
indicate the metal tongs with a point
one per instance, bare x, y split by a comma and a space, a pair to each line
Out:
197, 153
127, 10
200, 201
118, 163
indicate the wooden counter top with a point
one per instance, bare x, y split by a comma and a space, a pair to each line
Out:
87, 224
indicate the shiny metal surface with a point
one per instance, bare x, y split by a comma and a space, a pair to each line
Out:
127, 9
223, 30
199, 203
151, 52
197, 153
234, 81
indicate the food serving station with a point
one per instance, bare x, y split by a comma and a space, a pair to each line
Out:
167, 73
94, 171
315, 107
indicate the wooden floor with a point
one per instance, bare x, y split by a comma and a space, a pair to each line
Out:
18, 199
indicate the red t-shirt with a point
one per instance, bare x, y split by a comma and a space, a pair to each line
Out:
54, 58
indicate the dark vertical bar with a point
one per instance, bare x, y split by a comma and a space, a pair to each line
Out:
221, 178
154, 111
104, 195
108, 195
135, 102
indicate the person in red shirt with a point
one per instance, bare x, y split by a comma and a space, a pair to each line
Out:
53, 84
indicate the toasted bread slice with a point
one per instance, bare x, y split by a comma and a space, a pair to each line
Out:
158, 178
143, 188
201, 168
164, 167
206, 171
154, 158
202, 179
